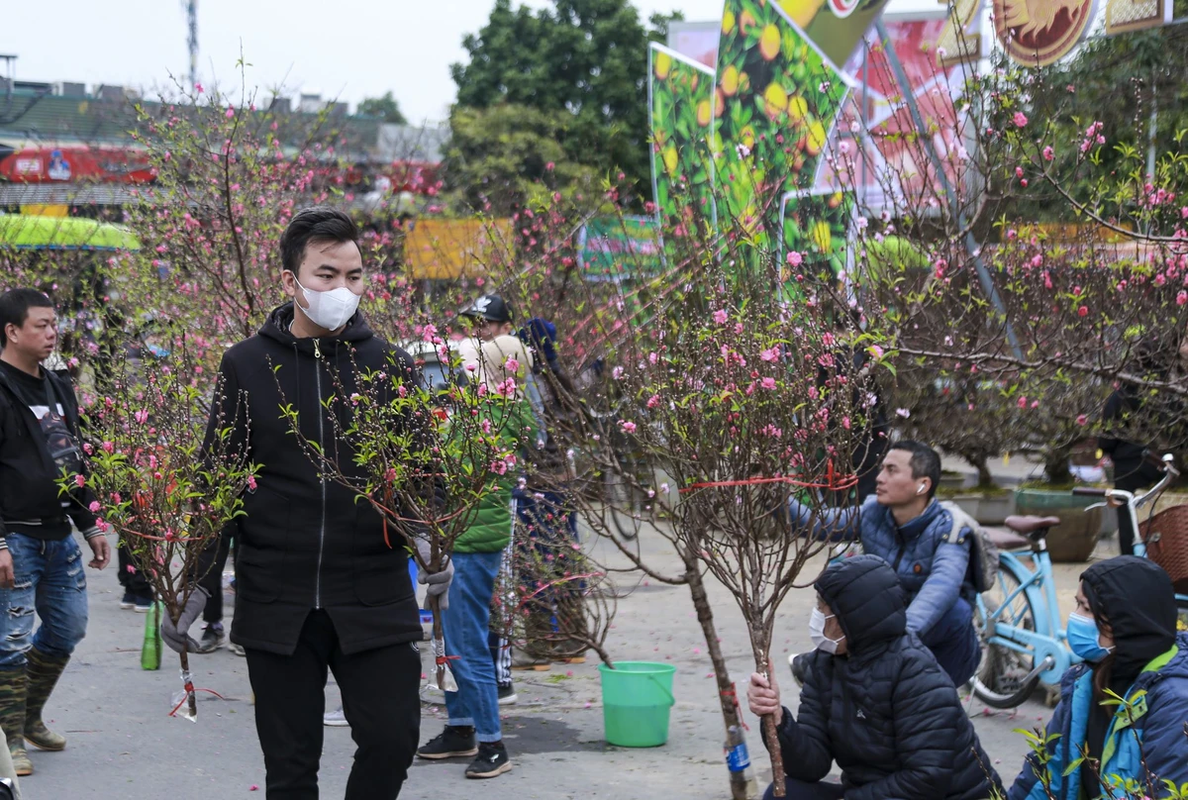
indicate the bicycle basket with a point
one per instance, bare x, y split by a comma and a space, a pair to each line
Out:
1166, 536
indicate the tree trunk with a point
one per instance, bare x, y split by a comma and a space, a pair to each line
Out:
188, 685
727, 696
985, 479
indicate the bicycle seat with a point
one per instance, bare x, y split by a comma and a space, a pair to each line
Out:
1007, 540
1028, 525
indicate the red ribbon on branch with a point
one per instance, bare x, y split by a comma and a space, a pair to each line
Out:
731, 694
833, 482
189, 690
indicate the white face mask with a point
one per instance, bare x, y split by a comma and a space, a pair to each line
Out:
330, 310
817, 632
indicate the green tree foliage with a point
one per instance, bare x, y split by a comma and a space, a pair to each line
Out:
502, 158
586, 56
385, 108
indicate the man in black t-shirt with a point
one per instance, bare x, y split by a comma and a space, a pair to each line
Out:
40, 562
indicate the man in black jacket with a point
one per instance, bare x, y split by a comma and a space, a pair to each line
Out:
875, 701
317, 586
40, 562
1131, 411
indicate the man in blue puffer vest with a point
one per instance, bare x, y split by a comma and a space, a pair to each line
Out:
905, 526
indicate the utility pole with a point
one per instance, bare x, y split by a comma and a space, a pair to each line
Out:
192, 39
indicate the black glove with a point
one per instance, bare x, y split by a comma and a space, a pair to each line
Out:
177, 636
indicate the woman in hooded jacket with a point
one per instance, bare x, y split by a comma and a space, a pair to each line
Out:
1125, 630
875, 701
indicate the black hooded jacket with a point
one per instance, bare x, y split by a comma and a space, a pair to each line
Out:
1143, 624
885, 711
30, 500
304, 543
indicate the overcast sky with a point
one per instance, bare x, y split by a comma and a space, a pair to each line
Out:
346, 48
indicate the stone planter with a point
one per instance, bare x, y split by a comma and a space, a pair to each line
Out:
987, 509
1073, 540
951, 481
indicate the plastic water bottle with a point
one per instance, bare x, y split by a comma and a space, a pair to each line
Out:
150, 651
743, 785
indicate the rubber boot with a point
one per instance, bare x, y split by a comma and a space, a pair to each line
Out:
13, 688
43, 672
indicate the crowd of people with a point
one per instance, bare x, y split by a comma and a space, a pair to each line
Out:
318, 591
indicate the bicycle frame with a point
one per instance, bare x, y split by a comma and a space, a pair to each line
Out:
1047, 642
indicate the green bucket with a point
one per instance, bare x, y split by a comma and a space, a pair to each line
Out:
636, 700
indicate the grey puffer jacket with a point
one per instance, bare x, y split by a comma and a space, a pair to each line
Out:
885, 711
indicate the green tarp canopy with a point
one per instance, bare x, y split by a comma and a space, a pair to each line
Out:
63, 233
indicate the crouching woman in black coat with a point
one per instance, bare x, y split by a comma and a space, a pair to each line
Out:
875, 701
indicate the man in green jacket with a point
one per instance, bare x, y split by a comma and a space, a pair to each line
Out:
473, 728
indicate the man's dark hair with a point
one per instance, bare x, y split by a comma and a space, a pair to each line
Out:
925, 462
316, 224
14, 309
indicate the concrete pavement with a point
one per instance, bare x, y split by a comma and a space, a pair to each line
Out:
122, 744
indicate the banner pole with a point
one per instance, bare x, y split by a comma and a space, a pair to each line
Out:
971, 244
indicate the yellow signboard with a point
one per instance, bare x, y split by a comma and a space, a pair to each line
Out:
448, 249
1134, 15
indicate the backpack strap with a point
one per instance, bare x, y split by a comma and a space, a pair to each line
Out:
961, 521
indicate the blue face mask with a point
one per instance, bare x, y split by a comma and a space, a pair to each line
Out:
1085, 639
157, 351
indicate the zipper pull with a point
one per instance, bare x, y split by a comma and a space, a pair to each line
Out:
317, 349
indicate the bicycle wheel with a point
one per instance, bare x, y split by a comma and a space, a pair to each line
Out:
999, 680
623, 505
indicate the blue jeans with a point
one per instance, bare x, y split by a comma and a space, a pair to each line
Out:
954, 642
49, 579
466, 622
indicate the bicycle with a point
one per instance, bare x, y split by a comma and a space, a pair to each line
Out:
1018, 622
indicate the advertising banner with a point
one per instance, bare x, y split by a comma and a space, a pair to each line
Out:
780, 99
683, 107
617, 249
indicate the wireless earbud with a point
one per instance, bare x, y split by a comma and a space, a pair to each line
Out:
921, 489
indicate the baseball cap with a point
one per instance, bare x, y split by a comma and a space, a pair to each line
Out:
490, 307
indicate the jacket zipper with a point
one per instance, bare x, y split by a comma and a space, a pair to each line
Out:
321, 473
902, 547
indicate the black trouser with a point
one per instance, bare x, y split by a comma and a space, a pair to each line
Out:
213, 612
379, 697
802, 790
1131, 482
133, 579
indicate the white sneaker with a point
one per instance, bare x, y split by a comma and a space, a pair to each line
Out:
335, 719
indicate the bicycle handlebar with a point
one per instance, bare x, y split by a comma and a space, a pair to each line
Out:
1121, 498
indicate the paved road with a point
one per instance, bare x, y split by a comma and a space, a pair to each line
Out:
122, 744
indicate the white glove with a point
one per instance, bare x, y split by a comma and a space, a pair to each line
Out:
177, 636
438, 582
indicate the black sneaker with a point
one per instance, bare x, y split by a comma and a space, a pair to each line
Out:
450, 743
129, 601
492, 760
213, 638
507, 695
